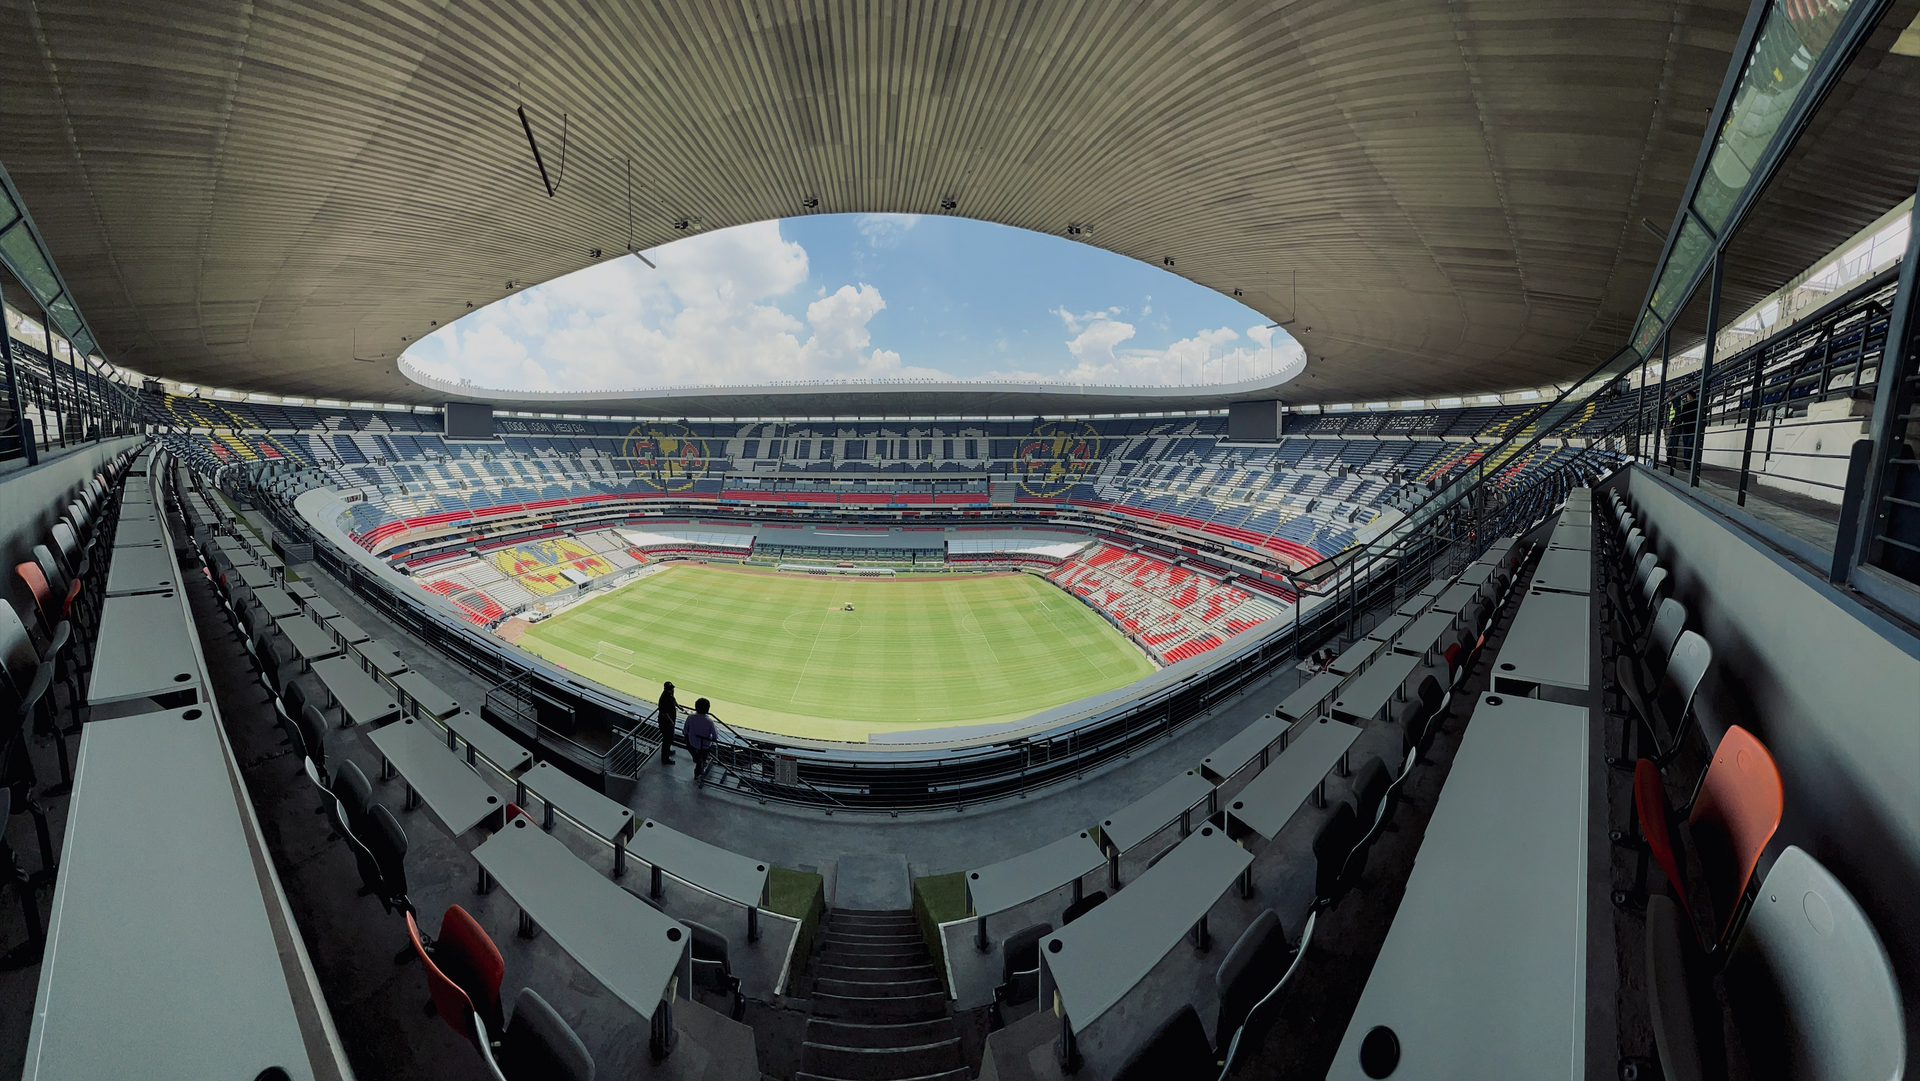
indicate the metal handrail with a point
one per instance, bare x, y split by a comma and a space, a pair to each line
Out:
742, 743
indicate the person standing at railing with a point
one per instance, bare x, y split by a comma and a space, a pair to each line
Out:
669, 709
1680, 430
700, 738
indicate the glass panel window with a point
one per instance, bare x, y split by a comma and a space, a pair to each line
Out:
64, 317
1790, 41
1690, 251
1647, 333
24, 259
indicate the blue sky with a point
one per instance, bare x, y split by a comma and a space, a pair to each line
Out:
857, 296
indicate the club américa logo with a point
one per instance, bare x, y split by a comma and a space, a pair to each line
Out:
668, 454
1056, 456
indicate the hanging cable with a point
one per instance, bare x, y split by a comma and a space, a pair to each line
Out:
527, 126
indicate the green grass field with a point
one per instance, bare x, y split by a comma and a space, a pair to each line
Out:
777, 652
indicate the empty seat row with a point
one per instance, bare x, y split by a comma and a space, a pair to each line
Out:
1808, 984
463, 968
42, 655
1257, 969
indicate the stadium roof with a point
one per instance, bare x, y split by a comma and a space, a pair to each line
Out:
280, 198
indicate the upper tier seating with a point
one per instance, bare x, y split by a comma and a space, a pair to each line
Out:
1322, 489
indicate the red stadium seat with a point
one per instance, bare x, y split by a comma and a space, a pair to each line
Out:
1731, 817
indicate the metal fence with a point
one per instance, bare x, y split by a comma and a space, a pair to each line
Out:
1787, 430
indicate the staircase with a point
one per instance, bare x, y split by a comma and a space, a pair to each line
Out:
879, 1005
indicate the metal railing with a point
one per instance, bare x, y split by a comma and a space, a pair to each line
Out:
1786, 437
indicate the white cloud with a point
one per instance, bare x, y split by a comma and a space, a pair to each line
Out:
886, 230
1075, 323
744, 306
1203, 357
1094, 345
707, 315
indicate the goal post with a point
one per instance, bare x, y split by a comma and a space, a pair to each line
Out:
608, 653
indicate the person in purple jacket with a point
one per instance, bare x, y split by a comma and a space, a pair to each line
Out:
700, 738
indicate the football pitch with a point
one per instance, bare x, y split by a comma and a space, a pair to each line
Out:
780, 652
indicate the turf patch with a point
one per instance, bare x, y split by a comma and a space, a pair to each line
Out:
802, 895
939, 899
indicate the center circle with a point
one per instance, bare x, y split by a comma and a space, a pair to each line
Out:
827, 626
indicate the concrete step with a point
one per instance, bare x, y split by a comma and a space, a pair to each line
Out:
961, 1074
841, 917
873, 988
871, 953
838, 934
898, 1034
880, 1009
880, 973
922, 1060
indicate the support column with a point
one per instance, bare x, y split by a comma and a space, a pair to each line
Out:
1706, 370
1660, 401
53, 372
1756, 390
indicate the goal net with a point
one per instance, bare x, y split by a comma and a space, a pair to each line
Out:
608, 653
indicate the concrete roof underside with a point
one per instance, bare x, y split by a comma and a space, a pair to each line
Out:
278, 197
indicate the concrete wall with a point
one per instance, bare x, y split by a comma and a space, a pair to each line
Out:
32, 500
1834, 692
